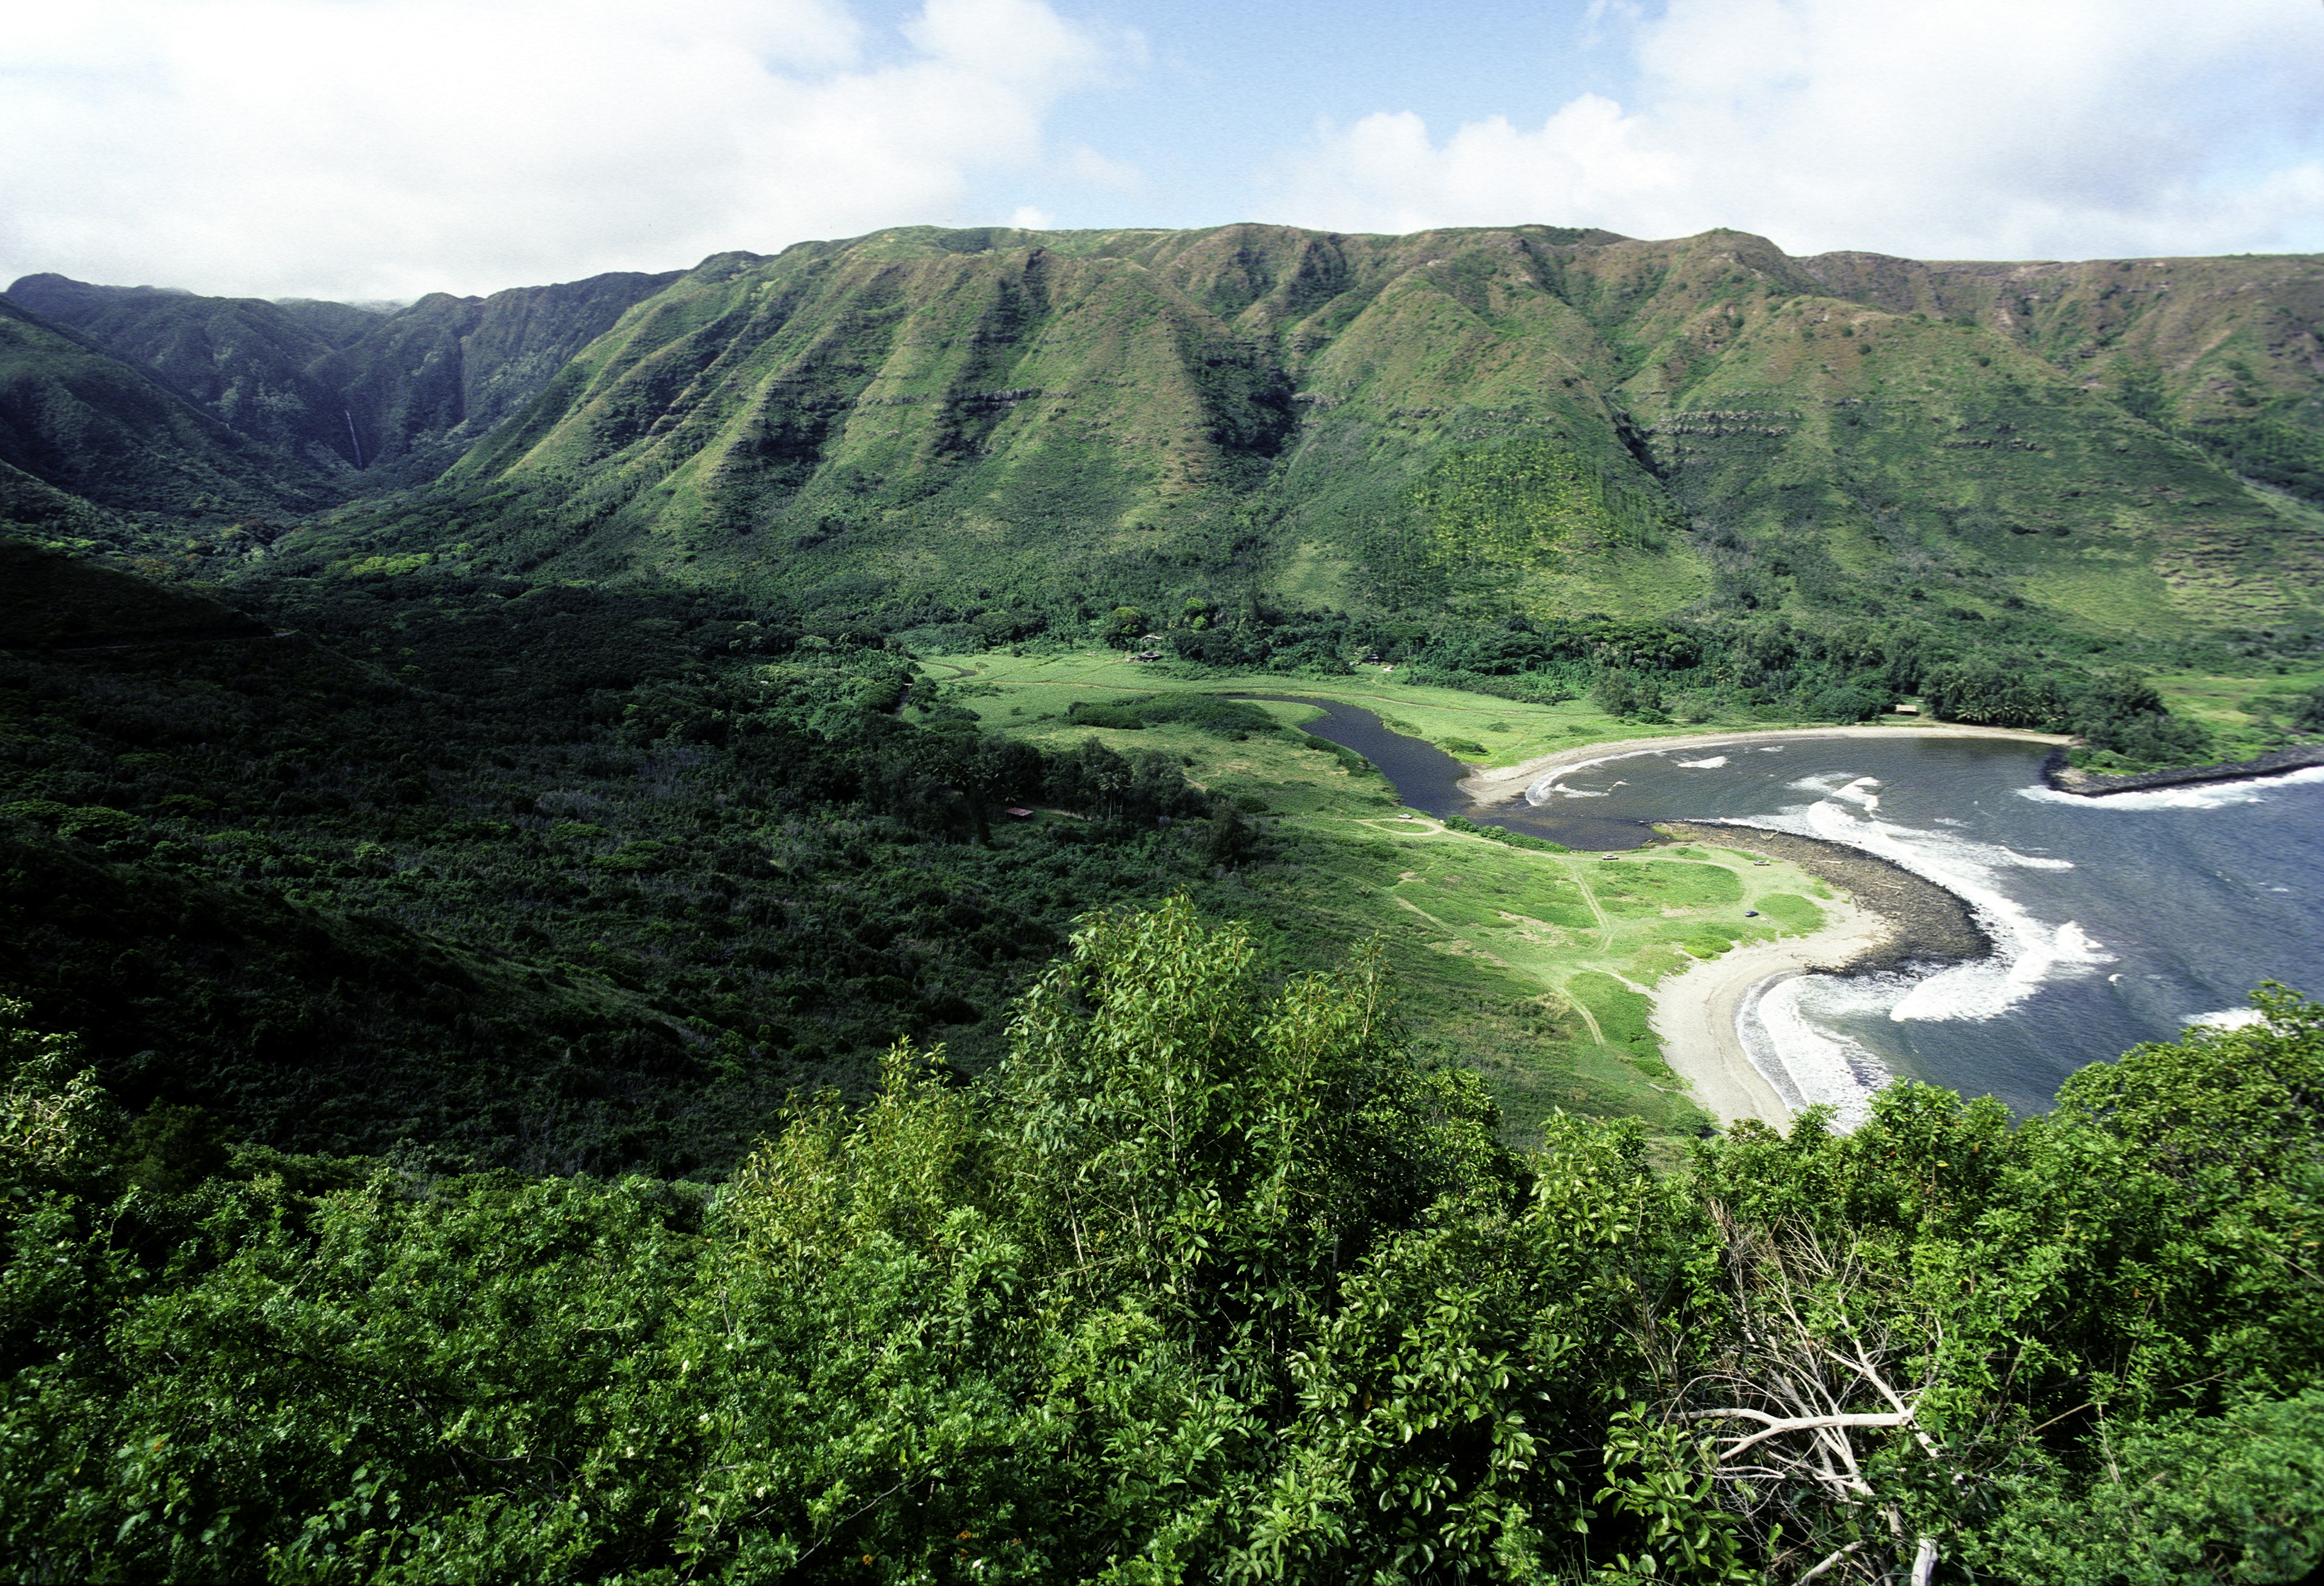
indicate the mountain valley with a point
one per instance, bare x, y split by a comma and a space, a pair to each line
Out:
708, 924
1521, 421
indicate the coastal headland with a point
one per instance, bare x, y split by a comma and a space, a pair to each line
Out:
1695, 1010
2068, 779
1887, 916
1926, 923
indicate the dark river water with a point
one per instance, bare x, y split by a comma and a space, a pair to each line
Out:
2114, 920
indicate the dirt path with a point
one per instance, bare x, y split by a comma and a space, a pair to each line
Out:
1693, 1011
1590, 896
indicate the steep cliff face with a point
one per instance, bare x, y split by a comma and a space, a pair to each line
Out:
1525, 419
247, 362
1524, 416
90, 427
379, 400
430, 381
2220, 336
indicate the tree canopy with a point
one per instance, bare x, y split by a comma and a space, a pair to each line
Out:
1209, 1279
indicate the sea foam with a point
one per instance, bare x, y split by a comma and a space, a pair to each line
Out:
2027, 951
2227, 1018
1786, 1029
2194, 796
1552, 785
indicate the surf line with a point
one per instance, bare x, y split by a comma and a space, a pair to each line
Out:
1897, 928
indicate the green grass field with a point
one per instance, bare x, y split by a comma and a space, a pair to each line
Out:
2246, 715
1027, 689
1529, 965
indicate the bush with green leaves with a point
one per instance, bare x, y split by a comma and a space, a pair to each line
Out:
2308, 711
1208, 1280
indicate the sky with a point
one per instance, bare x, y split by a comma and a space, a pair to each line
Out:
380, 149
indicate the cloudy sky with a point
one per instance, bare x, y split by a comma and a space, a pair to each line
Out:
383, 148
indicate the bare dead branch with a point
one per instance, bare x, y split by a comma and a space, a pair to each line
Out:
1830, 1561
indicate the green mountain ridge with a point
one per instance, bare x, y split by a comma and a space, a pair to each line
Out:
77, 423
630, 991
1526, 422
1642, 427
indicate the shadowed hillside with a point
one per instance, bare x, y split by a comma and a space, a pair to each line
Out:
378, 400
85, 424
244, 360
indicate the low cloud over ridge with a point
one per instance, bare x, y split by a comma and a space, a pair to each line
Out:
1976, 128
382, 148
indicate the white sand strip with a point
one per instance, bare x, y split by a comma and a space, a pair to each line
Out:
1491, 787
1695, 1011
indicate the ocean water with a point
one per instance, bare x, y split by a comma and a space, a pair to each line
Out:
2114, 920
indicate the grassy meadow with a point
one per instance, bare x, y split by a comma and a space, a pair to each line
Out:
1532, 965
1020, 692
2247, 714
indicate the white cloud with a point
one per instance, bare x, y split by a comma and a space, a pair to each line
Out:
1086, 166
1964, 128
381, 148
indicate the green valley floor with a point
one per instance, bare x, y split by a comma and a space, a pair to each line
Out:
1536, 966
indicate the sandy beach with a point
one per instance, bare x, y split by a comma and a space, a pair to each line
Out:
1491, 787
1695, 1011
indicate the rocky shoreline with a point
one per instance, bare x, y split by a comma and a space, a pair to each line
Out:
2067, 779
1927, 923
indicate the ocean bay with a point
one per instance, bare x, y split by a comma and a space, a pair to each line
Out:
2114, 920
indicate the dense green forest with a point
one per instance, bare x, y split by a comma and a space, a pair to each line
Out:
535, 876
1710, 478
568, 879
1207, 1279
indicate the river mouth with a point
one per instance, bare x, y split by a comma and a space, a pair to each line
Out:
2111, 921
1429, 780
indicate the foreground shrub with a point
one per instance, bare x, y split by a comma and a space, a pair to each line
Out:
1209, 1280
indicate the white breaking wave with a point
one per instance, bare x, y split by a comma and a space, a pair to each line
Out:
1789, 1027
2027, 951
1712, 764
1785, 1028
1794, 1029
2195, 796
1859, 792
2229, 1018
1552, 785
